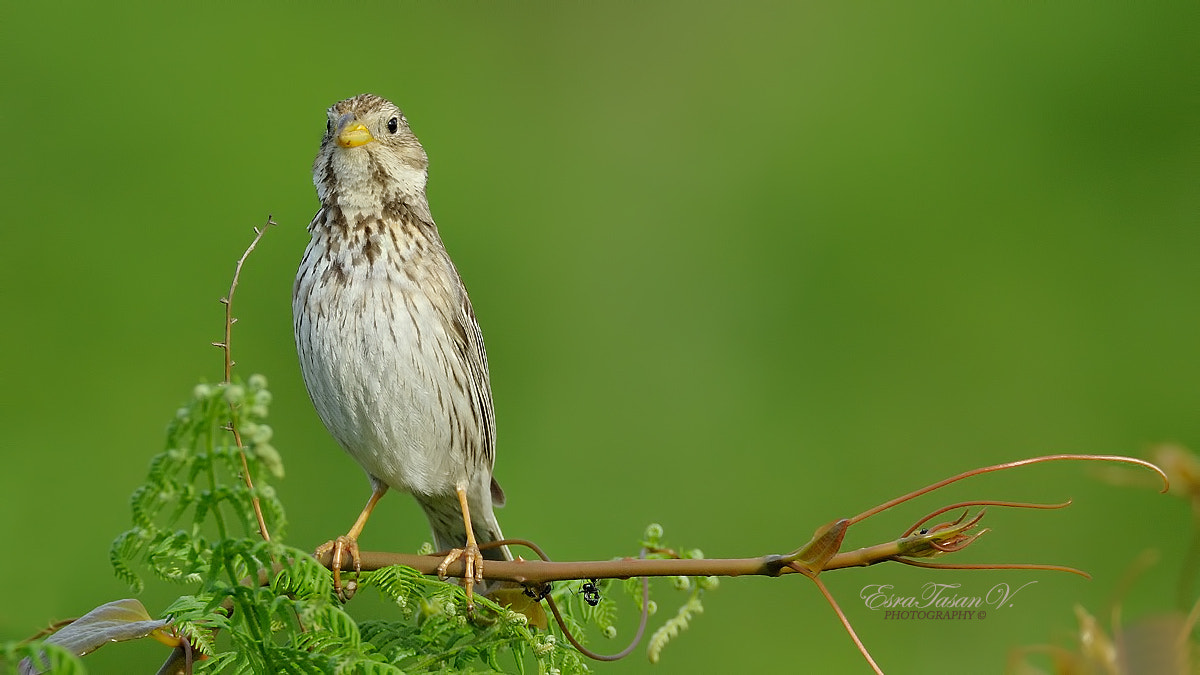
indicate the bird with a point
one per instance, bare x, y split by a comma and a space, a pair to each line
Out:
389, 347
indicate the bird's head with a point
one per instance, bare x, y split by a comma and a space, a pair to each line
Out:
368, 154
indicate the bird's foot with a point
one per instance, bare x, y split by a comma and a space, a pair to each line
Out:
473, 572
341, 547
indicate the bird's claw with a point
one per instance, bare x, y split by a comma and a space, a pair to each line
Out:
473, 572
341, 547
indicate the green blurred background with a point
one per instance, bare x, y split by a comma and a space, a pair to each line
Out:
740, 271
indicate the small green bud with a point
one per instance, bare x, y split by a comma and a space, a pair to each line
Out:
257, 382
235, 393
708, 583
258, 411
182, 414
544, 645
681, 583
269, 456
695, 554
201, 392
610, 632
262, 433
651, 608
425, 610
262, 397
654, 532
429, 608
426, 549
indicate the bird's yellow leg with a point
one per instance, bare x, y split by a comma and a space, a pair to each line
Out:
347, 544
472, 558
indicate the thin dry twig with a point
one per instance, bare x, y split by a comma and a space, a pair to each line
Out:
983, 502
230, 319
224, 346
845, 621
1011, 465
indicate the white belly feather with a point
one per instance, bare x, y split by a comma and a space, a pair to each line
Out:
375, 348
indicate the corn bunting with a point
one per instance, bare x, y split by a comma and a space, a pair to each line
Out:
388, 342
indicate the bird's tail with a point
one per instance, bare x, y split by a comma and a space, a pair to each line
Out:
449, 530
445, 518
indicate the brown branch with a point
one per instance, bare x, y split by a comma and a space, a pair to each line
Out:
822, 553
536, 572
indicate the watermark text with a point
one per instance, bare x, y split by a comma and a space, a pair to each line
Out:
938, 602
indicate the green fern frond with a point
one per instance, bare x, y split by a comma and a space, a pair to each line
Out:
271, 605
301, 576
397, 582
674, 626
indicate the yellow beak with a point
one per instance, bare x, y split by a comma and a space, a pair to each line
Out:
354, 135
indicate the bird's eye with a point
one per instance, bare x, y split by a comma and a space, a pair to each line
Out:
393, 125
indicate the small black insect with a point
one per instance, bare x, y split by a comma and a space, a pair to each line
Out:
591, 594
539, 592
